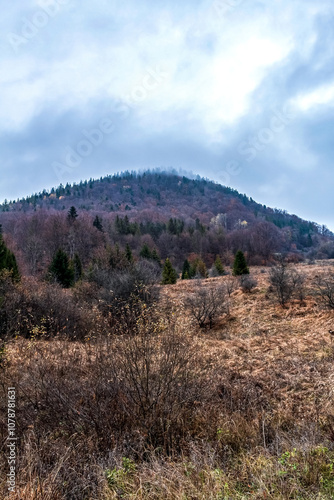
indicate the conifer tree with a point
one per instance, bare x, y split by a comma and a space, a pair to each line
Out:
98, 223
72, 214
219, 266
201, 269
155, 256
7, 259
169, 275
145, 252
186, 270
128, 253
240, 265
77, 268
61, 270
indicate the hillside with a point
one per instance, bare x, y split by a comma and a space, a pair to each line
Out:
177, 216
248, 414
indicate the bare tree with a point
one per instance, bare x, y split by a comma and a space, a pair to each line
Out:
324, 285
285, 282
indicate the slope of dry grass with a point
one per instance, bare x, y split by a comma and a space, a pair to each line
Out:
256, 419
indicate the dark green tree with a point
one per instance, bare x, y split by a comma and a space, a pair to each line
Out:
77, 268
72, 214
186, 273
145, 252
98, 223
219, 266
155, 256
61, 270
169, 275
240, 265
7, 259
128, 253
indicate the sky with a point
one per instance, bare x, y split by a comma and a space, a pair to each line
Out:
238, 91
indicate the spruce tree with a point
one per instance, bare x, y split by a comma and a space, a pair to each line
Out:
77, 268
7, 259
98, 223
186, 270
128, 253
145, 252
155, 256
240, 265
61, 269
201, 269
72, 214
219, 266
169, 275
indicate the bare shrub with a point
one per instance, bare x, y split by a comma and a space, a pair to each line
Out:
34, 309
207, 304
230, 284
247, 283
285, 282
324, 288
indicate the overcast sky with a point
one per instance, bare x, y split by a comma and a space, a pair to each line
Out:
239, 91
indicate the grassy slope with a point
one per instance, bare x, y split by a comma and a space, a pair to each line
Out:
274, 369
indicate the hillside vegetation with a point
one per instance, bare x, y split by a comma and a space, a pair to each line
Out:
152, 406
178, 217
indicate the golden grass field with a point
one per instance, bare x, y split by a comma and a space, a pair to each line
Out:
263, 430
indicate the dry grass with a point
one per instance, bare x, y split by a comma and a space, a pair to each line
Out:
260, 423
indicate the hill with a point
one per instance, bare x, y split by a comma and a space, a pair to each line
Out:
178, 216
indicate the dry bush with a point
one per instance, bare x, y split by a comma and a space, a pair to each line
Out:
286, 282
230, 284
324, 288
205, 305
247, 283
40, 309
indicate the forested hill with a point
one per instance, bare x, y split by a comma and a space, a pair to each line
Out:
164, 195
175, 215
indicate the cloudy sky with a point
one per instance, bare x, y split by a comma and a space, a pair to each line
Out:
239, 91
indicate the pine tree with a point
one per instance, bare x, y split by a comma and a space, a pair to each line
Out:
61, 270
169, 275
219, 266
72, 214
98, 223
128, 253
201, 269
240, 265
77, 268
186, 270
155, 256
145, 252
7, 259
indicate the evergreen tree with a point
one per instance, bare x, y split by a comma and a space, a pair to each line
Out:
240, 265
186, 270
201, 269
169, 275
7, 259
145, 252
72, 214
128, 253
219, 266
77, 268
98, 223
155, 256
61, 270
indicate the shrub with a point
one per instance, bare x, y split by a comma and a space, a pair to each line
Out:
207, 304
247, 283
285, 282
324, 286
